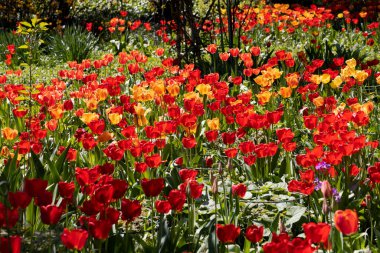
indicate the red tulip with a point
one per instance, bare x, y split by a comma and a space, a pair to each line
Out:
99, 229
19, 199
302, 187
114, 152
284, 135
227, 233
246, 147
239, 190
35, 187
231, 152
153, 187
255, 51
50, 214
19, 112
254, 233
234, 52
141, 167
317, 232
224, 56
228, 138
66, 190
310, 121
91, 207
153, 161
44, 199
346, 221
10, 244
162, 206
111, 214
97, 126
299, 245
74, 239
189, 142
104, 194
177, 199
120, 186
86, 176
211, 48
187, 174
8, 217
195, 189
130, 209
211, 135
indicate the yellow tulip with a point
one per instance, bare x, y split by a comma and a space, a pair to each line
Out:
325, 78
88, 117
351, 63
361, 75
336, 82
315, 79
203, 89
213, 124
115, 118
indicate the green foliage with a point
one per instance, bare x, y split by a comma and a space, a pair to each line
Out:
74, 44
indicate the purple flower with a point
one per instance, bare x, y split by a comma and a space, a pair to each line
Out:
336, 195
318, 184
322, 165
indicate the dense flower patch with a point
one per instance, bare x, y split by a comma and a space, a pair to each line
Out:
260, 149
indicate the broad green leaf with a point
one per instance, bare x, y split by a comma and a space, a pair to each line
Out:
296, 212
61, 160
10, 167
24, 23
21, 98
212, 245
40, 171
35, 20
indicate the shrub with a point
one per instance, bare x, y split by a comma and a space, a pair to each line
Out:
74, 44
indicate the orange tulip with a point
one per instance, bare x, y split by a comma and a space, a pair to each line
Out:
9, 133
264, 97
346, 221
285, 92
211, 48
318, 101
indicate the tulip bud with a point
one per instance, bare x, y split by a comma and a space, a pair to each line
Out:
209, 162
220, 169
326, 189
4, 151
325, 207
214, 187
281, 226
